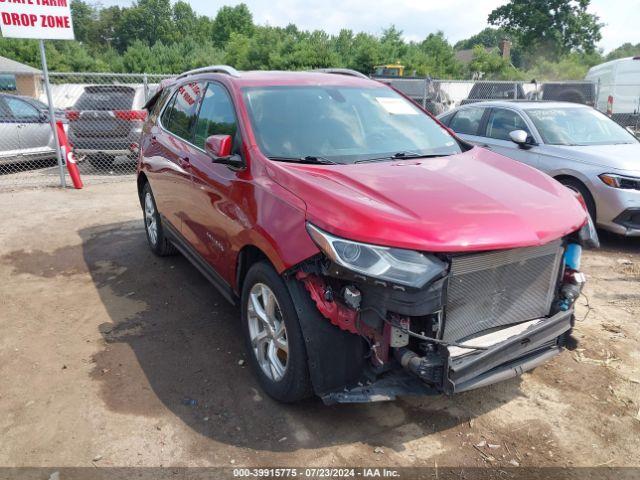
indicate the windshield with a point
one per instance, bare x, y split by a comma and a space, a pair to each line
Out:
342, 124
577, 126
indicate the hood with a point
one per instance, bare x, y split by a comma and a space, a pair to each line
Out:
473, 201
622, 158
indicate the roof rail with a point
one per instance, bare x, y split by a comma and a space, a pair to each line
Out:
342, 71
212, 69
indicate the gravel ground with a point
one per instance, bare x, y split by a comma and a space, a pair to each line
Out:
110, 356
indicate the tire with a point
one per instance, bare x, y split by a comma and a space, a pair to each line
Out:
158, 242
578, 186
101, 161
267, 357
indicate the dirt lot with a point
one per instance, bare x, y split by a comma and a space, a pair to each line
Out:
110, 356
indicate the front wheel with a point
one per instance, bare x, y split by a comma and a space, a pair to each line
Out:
272, 335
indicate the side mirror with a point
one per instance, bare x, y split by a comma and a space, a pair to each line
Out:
218, 147
521, 138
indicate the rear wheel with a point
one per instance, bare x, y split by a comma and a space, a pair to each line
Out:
579, 188
158, 242
272, 335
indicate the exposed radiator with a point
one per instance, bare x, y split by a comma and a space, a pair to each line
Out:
492, 289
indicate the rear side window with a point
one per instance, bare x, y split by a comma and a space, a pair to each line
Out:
5, 113
502, 122
217, 116
467, 121
106, 98
180, 114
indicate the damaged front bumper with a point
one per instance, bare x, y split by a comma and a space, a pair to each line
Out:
531, 344
510, 352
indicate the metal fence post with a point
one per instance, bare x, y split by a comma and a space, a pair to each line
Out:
52, 118
424, 92
145, 82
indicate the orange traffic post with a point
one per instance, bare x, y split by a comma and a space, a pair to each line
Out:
69, 158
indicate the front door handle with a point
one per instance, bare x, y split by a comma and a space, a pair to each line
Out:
184, 162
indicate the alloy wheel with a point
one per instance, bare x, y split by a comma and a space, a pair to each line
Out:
267, 332
150, 218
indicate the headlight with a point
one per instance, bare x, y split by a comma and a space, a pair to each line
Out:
620, 181
395, 265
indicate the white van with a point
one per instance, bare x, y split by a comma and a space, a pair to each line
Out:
619, 89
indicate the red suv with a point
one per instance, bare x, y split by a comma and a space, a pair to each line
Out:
372, 252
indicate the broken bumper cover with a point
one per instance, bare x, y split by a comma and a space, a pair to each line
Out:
534, 343
510, 357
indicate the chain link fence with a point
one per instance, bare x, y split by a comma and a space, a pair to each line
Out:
103, 115
620, 101
439, 96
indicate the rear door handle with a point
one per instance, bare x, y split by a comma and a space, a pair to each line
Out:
184, 162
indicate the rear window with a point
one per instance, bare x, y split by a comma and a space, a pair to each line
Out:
181, 111
106, 98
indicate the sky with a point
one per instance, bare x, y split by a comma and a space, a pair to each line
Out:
458, 19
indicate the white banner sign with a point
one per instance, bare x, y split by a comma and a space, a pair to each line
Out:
40, 19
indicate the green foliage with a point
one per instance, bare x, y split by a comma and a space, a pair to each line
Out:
573, 66
492, 65
625, 50
158, 36
555, 27
491, 38
231, 20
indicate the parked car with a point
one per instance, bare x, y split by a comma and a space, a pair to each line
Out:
106, 122
25, 131
577, 145
619, 90
423, 91
371, 252
486, 90
575, 92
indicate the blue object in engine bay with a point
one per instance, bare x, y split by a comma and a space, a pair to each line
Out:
572, 256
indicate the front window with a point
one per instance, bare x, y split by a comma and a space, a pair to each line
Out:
502, 122
216, 117
577, 126
342, 124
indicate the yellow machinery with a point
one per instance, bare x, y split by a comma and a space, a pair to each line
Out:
389, 70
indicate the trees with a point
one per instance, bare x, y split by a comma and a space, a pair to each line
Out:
555, 27
492, 65
165, 37
231, 20
624, 50
148, 21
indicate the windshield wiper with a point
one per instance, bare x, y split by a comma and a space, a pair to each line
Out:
403, 156
307, 159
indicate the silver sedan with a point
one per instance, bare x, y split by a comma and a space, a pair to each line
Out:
579, 146
25, 131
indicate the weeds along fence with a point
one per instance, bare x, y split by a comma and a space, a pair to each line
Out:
103, 116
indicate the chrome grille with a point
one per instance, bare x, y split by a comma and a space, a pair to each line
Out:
493, 289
